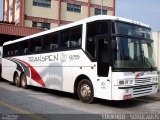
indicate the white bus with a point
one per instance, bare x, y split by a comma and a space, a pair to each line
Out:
102, 56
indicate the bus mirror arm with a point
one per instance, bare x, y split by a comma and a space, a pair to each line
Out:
114, 44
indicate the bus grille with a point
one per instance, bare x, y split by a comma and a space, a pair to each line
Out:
143, 80
142, 90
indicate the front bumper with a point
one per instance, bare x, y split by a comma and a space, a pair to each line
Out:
128, 92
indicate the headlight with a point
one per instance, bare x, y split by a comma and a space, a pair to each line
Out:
126, 82
129, 82
121, 82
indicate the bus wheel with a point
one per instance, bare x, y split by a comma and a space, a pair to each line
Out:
23, 81
17, 80
85, 91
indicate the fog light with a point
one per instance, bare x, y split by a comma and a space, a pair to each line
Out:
127, 97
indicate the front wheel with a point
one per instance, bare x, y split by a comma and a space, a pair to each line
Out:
23, 81
85, 91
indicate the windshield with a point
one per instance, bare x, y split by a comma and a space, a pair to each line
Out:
134, 51
132, 30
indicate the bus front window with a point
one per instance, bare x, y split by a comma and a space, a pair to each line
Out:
134, 50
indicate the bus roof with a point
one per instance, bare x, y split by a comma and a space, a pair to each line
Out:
86, 20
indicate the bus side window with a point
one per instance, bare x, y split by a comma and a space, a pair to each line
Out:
64, 38
90, 43
50, 41
16, 49
46, 42
37, 48
25, 48
38, 44
31, 45
94, 29
76, 36
54, 41
91, 46
16, 52
20, 48
53, 46
12, 52
6, 50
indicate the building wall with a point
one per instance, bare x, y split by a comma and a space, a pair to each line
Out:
5, 10
28, 23
72, 16
156, 38
10, 10
104, 2
41, 12
17, 15
56, 15
10, 2
28, 4
53, 25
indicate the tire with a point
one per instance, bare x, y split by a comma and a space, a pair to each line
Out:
85, 91
23, 81
12, 83
17, 80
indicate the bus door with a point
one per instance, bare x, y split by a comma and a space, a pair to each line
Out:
103, 61
102, 48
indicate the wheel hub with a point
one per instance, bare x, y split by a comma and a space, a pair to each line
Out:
85, 91
23, 81
17, 79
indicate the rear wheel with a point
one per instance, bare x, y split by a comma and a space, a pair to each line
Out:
85, 91
23, 81
17, 80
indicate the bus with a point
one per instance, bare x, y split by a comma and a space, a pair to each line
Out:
102, 56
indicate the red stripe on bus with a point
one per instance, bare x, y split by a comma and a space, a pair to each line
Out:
34, 74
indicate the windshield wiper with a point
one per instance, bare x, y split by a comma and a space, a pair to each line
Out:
148, 62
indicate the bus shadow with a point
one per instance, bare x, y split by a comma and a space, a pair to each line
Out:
140, 101
51, 92
115, 104
39, 90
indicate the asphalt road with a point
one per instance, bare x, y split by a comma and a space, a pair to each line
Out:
41, 104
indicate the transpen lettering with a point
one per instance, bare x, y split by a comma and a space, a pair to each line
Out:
43, 58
